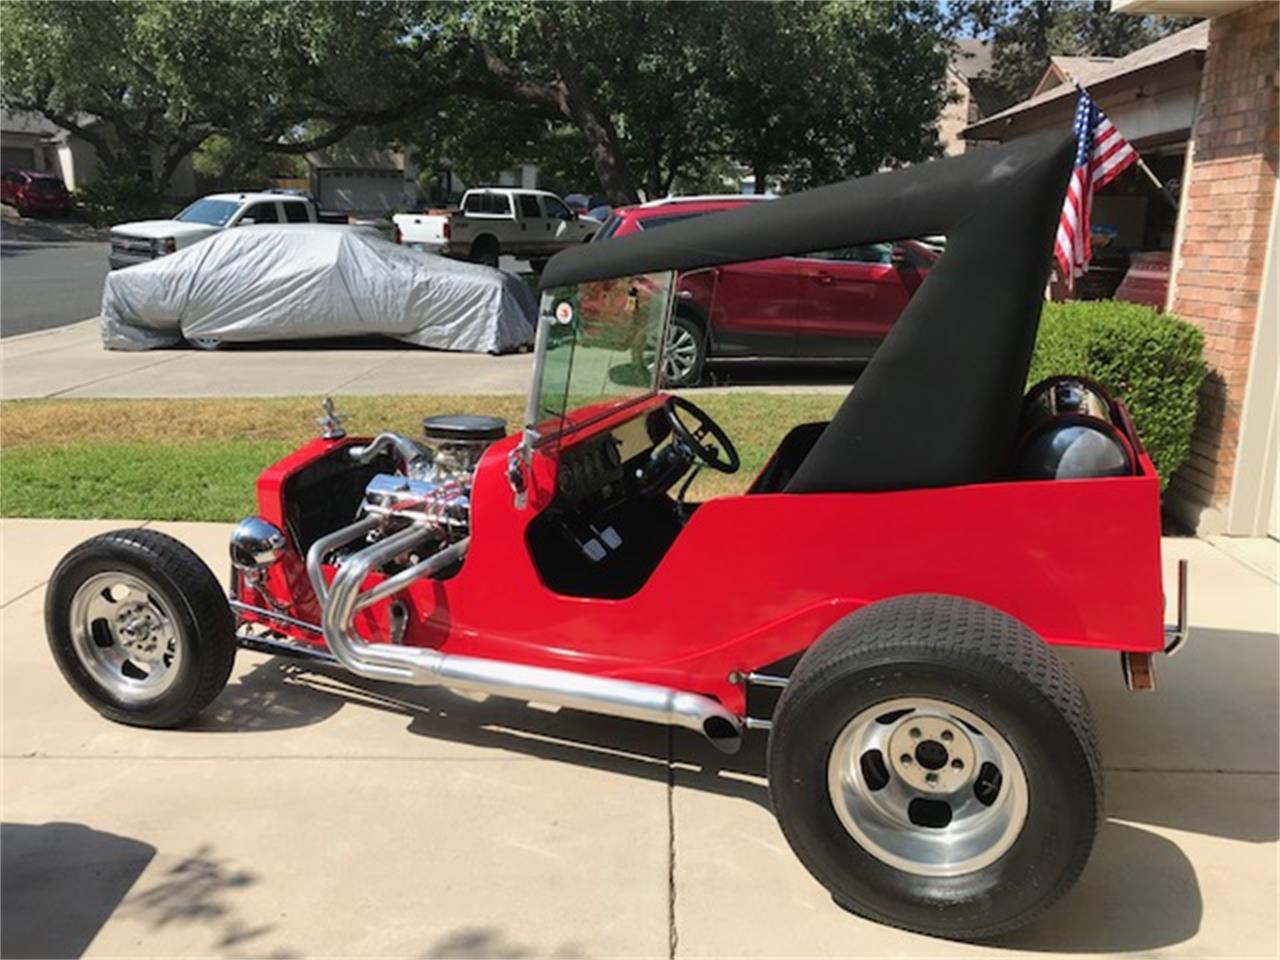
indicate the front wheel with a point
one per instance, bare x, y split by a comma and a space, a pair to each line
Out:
933, 765
140, 628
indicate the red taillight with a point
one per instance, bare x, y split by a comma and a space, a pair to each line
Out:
399, 235
446, 229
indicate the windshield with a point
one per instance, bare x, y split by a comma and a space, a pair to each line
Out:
598, 346
215, 213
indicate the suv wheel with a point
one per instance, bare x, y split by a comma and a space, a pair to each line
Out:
685, 355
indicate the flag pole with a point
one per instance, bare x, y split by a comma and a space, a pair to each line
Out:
1142, 165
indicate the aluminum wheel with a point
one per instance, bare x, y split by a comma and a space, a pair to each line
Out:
927, 787
126, 636
680, 359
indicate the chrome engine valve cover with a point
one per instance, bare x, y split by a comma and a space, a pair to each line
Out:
392, 495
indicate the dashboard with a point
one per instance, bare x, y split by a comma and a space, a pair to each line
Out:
597, 467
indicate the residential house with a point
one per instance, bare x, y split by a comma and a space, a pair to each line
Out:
1201, 106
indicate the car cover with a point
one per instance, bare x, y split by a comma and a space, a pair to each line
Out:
288, 282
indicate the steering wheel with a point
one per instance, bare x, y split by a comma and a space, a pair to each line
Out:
696, 439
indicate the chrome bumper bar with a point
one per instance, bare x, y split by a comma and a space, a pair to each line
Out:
1175, 636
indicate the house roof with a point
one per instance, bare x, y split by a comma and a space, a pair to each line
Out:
1071, 69
1191, 42
20, 121
971, 57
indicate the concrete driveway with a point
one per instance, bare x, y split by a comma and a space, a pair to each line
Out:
309, 815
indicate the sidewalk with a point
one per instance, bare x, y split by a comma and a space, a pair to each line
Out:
307, 813
70, 362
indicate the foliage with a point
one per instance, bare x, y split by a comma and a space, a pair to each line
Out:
623, 94
109, 200
1153, 361
198, 459
237, 164
1026, 33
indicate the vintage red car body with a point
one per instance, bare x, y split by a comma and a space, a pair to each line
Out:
1025, 553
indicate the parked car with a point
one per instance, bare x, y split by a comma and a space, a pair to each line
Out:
493, 221
1147, 279
314, 280
31, 191
885, 602
144, 240
582, 203
831, 304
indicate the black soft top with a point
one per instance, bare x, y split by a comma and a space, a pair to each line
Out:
938, 403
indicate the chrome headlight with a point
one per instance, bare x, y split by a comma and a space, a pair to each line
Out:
256, 544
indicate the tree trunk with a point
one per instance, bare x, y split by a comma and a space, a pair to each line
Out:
597, 128
760, 170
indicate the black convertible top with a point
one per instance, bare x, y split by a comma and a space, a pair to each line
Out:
938, 403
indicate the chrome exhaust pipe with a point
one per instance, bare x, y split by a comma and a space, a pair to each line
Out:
423, 666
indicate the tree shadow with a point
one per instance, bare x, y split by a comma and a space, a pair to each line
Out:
194, 892
489, 943
59, 883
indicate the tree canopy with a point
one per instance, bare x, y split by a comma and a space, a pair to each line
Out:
624, 96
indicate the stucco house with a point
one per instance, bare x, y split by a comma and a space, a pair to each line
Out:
30, 142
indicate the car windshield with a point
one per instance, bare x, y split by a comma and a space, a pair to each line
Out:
215, 213
598, 343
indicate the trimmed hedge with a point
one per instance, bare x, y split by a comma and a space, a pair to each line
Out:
1153, 361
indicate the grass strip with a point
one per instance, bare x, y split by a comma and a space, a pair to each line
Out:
197, 459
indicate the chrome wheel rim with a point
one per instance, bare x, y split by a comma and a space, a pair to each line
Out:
126, 636
680, 357
927, 787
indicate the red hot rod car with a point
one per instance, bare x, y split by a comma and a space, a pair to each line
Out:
901, 575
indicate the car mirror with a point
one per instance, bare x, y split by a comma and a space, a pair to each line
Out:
246, 222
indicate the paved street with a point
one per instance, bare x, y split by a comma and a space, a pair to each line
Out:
46, 284
309, 814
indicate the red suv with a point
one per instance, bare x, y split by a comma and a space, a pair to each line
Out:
828, 304
34, 192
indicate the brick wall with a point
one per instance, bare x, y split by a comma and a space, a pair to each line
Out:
1224, 240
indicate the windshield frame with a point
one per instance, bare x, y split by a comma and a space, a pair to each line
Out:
533, 418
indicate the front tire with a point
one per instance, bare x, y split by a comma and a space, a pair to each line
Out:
932, 763
140, 628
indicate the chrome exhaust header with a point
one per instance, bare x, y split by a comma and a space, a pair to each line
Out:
423, 666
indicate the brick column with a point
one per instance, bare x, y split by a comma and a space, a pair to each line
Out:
1220, 261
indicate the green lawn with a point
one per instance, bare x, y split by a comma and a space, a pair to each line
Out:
197, 459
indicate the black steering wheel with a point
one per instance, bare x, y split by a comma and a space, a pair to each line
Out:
720, 455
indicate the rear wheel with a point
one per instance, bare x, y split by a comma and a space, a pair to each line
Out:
485, 251
685, 354
205, 343
933, 765
140, 628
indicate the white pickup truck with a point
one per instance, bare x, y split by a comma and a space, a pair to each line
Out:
492, 221
145, 240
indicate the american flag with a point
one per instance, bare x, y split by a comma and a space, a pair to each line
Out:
1101, 154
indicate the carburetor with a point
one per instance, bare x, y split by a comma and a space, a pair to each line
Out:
434, 487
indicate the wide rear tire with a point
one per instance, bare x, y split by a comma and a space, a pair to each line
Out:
140, 628
932, 763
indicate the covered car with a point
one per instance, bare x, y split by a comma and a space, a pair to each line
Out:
298, 281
